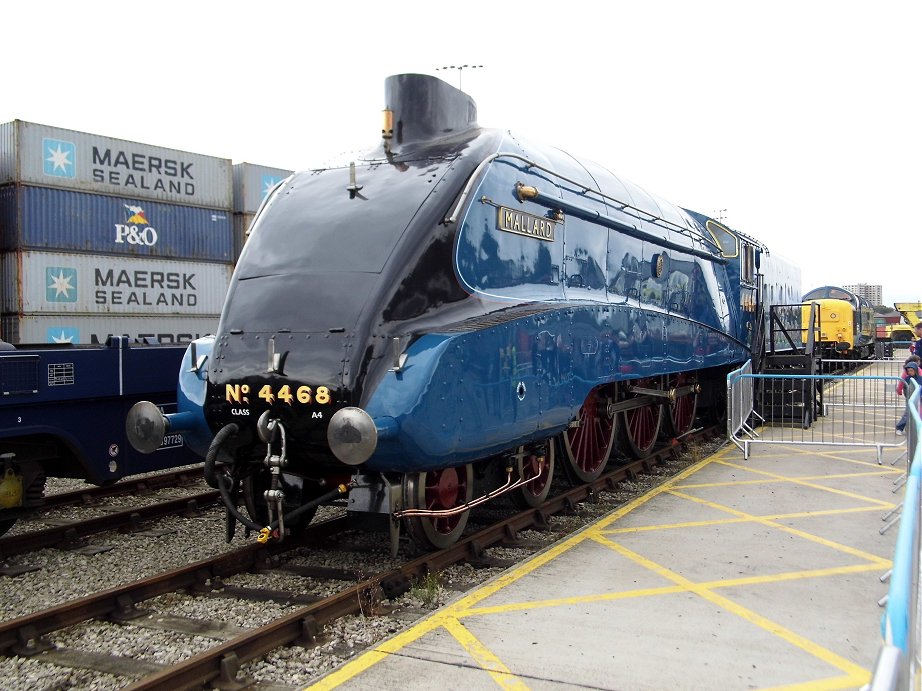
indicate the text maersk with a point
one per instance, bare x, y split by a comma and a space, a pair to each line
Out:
140, 171
145, 288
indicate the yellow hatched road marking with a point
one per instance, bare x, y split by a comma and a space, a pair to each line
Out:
787, 529
380, 652
449, 616
484, 657
858, 674
799, 481
730, 521
384, 649
767, 481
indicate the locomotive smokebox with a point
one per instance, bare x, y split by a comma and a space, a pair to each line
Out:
420, 108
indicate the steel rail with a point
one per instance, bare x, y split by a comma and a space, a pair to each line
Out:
87, 495
23, 633
129, 518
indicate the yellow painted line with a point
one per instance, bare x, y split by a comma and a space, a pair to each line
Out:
484, 657
664, 590
812, 485
767, 481
731, 521
380, 652
665, 487
787, 529
572, 600
768, 625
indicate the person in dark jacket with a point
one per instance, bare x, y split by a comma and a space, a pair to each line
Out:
910, 373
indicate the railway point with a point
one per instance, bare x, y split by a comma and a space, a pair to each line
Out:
756, 573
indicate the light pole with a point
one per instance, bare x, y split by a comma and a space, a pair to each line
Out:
460, 68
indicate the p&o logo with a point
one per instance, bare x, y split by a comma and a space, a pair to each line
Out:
59, 158
136, 230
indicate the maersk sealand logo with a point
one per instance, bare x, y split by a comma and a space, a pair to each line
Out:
59, 158
60, 284
62, 334
270, 181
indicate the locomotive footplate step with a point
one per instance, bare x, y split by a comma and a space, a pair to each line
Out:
735, 574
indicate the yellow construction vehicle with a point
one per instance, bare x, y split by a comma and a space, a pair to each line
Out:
911, 312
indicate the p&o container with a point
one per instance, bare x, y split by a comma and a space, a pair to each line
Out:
62, 220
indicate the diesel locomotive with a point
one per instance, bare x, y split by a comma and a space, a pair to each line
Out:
450, 317
845, 326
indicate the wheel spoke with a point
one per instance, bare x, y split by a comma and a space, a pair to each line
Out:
642, 425
682, 411
438, 490
588, 445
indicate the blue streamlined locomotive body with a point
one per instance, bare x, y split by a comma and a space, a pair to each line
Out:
457, 302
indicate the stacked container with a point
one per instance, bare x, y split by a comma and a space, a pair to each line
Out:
101, 236
252, 184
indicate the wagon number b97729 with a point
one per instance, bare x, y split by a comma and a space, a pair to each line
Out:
239, 393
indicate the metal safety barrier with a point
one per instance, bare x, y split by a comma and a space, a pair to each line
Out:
898, 660
822, 409
740, 401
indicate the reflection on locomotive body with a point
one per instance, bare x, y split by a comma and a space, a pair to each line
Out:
545, 363
455, 303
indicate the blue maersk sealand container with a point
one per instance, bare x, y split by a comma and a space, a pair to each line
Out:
47, 219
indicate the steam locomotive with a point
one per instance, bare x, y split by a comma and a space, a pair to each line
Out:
448, 318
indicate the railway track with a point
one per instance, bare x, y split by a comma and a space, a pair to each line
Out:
70, 534
94, 493
224, 664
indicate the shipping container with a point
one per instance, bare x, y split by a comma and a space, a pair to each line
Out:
252, 183
242, 223
56, 284
54, 157
41, 218
25, 329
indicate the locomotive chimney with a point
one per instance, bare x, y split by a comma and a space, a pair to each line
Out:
420, 108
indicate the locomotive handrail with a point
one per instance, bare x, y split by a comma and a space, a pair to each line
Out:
624, 206
596, 217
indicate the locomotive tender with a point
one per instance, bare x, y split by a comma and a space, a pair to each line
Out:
447, 318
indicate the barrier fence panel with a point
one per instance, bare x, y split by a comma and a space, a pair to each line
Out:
860, 409
740, 402
898, 660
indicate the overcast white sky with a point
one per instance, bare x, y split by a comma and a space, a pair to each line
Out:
800, 118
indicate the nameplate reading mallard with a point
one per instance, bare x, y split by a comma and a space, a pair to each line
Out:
525, 224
